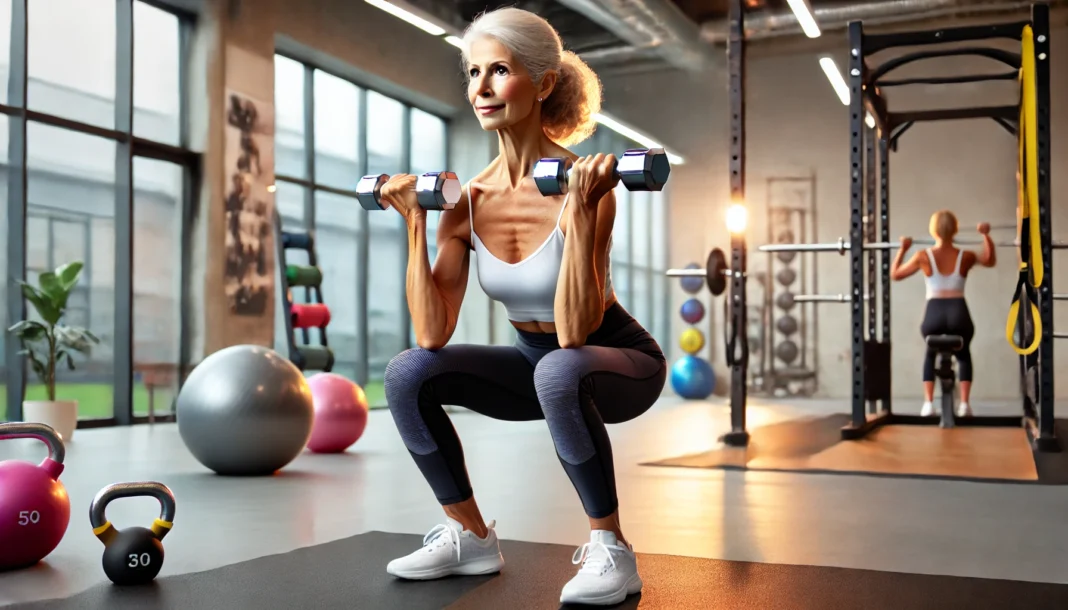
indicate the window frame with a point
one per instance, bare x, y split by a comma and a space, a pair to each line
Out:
310, 186
127, 146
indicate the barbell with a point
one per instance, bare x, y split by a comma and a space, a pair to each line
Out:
715, 272
842, 246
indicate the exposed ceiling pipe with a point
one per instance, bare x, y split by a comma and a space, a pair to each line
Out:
656, 24
620, 54
775, 23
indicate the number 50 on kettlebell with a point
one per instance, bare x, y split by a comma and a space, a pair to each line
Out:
134, 555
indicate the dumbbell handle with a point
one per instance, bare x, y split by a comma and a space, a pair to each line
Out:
434, 190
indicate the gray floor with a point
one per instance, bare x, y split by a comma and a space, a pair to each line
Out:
916, 526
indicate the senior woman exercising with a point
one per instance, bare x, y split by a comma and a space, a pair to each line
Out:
579, 361
945, 269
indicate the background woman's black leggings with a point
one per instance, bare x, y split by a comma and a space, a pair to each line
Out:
948, 317
616, 376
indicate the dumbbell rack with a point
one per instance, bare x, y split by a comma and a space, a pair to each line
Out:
299, 352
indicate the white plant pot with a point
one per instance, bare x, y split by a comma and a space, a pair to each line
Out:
61, 415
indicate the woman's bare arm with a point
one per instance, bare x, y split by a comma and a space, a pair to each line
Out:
900, 271
580, 295
435, 294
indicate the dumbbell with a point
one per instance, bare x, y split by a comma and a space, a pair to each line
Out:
434, 191
640, 169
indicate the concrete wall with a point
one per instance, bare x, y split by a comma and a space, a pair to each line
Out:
796, 126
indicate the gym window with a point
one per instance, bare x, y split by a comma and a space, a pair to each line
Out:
329, 131
95, 115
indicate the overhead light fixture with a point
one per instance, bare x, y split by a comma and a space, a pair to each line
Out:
633, 134
837, 82
455, 41
408, 16
803, 13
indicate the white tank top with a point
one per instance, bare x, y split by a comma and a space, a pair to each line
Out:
938, 283
527, 289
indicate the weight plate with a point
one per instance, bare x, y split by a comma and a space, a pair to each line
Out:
715, 267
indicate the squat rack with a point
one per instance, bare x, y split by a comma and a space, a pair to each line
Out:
871, 357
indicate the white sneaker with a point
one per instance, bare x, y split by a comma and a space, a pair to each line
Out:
964, 410
449, 549
608, 575
927, 410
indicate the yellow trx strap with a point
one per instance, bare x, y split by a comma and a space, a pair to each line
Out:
1031, 264
1029, 152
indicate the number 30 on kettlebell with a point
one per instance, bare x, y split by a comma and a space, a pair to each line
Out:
134, 555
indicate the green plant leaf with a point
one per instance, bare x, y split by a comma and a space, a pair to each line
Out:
48, 311
39, 367
28, 330
51, 287
68, 274
74, 338
64, 356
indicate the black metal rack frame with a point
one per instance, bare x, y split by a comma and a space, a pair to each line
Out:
871, 406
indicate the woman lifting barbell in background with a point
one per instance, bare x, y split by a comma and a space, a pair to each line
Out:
579, 360
945, 269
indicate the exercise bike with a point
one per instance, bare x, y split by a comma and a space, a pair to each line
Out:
946, 346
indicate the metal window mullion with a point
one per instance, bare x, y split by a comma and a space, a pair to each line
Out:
309, 173
402, 243
16, 208
190, 192
363, 254
123, 334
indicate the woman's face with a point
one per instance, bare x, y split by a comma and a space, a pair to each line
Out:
499, 89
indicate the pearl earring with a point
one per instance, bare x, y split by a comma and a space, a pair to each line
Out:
540, 99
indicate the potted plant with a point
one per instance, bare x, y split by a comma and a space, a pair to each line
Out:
48, 344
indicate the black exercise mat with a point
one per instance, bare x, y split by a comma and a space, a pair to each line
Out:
350, 574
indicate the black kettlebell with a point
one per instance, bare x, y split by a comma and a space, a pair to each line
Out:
132, 556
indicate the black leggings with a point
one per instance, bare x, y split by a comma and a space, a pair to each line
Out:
948, 317
616, 376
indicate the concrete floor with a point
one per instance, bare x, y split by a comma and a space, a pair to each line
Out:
904, 525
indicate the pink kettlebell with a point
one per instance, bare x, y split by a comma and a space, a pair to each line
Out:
34, 507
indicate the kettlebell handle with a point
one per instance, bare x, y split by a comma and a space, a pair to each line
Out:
105, 531
42, 432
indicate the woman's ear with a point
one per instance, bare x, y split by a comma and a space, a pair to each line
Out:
548, 83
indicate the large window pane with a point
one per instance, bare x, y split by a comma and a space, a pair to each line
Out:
156, 285
338, 247
3, 237
72, 59
428, 149
288, 117
385, 134
385, 303
639, 219
156, 90
659, 246
337, 131
71, 195
5, 63
621, 247
289, 202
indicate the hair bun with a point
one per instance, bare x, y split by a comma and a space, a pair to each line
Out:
568, 112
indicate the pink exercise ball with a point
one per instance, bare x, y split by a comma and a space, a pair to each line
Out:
340, 413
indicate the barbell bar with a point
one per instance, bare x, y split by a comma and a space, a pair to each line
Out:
842, 246
715, 272
824, 298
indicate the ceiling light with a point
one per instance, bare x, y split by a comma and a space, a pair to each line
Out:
405, 15
833, 75
630, 132
803, 13
455, 41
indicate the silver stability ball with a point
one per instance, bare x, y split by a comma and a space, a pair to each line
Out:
245, 411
